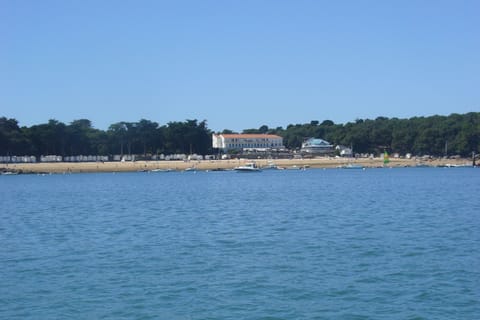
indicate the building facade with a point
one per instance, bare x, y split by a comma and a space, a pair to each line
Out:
227, 142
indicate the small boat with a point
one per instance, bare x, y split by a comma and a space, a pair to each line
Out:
352, 166
294, 167
9, 173
271, 166
248, 167
162, 170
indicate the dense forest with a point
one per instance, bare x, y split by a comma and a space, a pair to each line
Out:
456, 134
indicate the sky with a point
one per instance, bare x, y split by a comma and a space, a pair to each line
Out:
237, 63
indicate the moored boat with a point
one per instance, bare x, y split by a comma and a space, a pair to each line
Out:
162, 170
271, 166
352, 166
248, 167
9, 173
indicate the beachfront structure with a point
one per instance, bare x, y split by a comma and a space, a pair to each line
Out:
227, 142
344, 151
317, 146
18, 159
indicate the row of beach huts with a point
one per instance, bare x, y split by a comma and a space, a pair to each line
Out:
96, 158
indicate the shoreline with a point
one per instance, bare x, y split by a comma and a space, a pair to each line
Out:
204, 165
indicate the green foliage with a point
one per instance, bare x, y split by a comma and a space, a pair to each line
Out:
80, 138
420, 136
456, 134
12, 139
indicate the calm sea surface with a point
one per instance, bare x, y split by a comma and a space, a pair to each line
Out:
315, 244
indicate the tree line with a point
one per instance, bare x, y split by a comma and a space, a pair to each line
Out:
435, 135
456, 134
81, 138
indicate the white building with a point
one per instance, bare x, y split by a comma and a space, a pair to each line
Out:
316, 146
246, 141
344, 151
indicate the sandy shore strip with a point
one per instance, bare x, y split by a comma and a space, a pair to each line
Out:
70, 167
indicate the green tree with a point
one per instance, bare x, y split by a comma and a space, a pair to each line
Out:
12, 138
147, 131
48, 138
188, 137
117, 133
80, 134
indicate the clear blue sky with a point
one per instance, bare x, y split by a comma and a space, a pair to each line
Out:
237, 64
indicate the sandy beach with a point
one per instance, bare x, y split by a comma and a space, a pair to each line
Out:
69, 167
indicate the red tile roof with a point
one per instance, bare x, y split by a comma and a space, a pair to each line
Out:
251, 136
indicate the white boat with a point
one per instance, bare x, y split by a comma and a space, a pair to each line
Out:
352, 166
162, 170
271, 166
248, 167
295, 167
9, 173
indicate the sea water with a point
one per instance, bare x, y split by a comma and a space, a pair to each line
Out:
292, 244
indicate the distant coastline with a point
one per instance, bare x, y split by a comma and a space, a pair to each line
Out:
211, 165
438, 136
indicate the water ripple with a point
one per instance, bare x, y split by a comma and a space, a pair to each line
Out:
320, 244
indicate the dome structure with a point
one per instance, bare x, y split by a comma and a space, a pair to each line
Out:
317, 146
